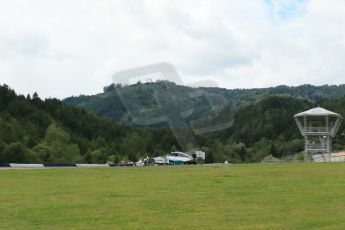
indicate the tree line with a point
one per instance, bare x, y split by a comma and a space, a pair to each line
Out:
49, 131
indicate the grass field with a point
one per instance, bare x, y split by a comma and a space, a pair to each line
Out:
248, 196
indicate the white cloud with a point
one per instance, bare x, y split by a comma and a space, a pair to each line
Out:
60, 48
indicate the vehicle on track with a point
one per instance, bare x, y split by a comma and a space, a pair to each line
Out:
175, 158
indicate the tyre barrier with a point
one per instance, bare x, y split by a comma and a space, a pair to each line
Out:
15, 165
60, 165
92, 165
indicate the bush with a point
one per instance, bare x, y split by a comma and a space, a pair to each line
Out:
17, 153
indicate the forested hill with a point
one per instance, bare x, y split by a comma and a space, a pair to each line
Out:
34, 131
147, 100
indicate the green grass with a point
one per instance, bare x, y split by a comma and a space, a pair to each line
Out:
248, 196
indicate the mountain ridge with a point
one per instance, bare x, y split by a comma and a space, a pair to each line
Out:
125, 103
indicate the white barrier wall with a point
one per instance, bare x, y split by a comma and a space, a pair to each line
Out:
27, 165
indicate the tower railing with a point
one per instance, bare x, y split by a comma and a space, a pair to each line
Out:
316, 146
316, 129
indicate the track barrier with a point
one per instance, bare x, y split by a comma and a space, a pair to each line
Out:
51, 165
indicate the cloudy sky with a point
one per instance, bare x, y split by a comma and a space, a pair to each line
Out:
61, 48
